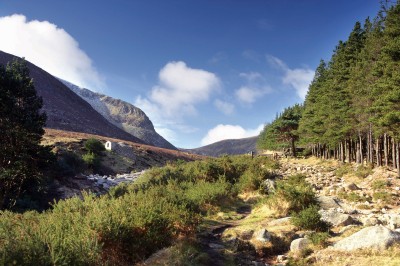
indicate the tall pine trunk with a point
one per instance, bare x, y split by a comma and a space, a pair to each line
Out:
398, 159
371, 146
394, 153
361, 150
385, 148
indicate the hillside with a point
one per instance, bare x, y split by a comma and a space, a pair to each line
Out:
229, 146
123, 115
139, 158
65, 110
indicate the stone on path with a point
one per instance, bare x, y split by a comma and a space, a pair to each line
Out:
299, 244
262, 235
336, 218
376, 237
326, 202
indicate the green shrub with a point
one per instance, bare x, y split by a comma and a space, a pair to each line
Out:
352, 196
319, 239
295, 192
91, 160
379, 184
363, 171
70, 163
131, 221
94, 146
384, 196
343, 170
309, 219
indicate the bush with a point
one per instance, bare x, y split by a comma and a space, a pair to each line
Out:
309, 219
94, 146
363, 171
343, 170
319, 239
353, 197
379, 184
70, 163
384, 196
130, 222
292, 195
91, 160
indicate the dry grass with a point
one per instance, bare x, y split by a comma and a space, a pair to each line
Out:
368, 257
54, 135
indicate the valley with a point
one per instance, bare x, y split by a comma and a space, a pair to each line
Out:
300, 163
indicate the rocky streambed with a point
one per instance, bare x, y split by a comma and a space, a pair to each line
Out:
94, 183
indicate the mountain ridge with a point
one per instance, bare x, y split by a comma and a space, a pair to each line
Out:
64, 109
228, 146
122, 114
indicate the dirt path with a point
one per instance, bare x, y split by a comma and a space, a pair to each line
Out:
222, 252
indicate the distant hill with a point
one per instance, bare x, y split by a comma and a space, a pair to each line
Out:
67, 111
229, 146
123, 115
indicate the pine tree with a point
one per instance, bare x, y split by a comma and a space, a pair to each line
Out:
21, 127
282, 132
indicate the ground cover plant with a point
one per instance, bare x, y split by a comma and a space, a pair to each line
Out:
132, 221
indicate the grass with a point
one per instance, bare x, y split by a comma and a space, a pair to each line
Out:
367, 257
165, 205
379, 184
363, 171
353, 197
292, 195
344, 169
383, 196
310, 219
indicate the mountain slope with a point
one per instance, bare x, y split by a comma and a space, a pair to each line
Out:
123, 115
229, 146
65, 110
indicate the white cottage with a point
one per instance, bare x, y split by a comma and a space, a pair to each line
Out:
110, 145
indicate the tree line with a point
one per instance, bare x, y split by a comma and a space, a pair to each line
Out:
352, 108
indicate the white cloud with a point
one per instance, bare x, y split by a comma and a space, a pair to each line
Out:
248, 95
255, 88
221, 132
251, 76
49, 47
179, 90
225, 107
298, 78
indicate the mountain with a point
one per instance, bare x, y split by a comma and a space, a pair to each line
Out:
229, 146
123, 115
67, 111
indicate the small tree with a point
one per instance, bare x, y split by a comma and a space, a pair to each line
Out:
282, 132
94, 153
94, 146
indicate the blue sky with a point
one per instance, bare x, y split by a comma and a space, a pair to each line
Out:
202, 70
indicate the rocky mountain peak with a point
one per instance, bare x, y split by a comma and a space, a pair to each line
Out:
122, 114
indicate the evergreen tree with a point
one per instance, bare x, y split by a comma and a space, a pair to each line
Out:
21, 127
282, 132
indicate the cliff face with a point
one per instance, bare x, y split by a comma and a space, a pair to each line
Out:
67, 111
123, 115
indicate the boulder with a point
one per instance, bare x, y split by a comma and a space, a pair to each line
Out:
268, 186
327, 203
392, 220
336, 218
370, 220
299, 245
351, 187
281, 221
376, 237
262, 235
